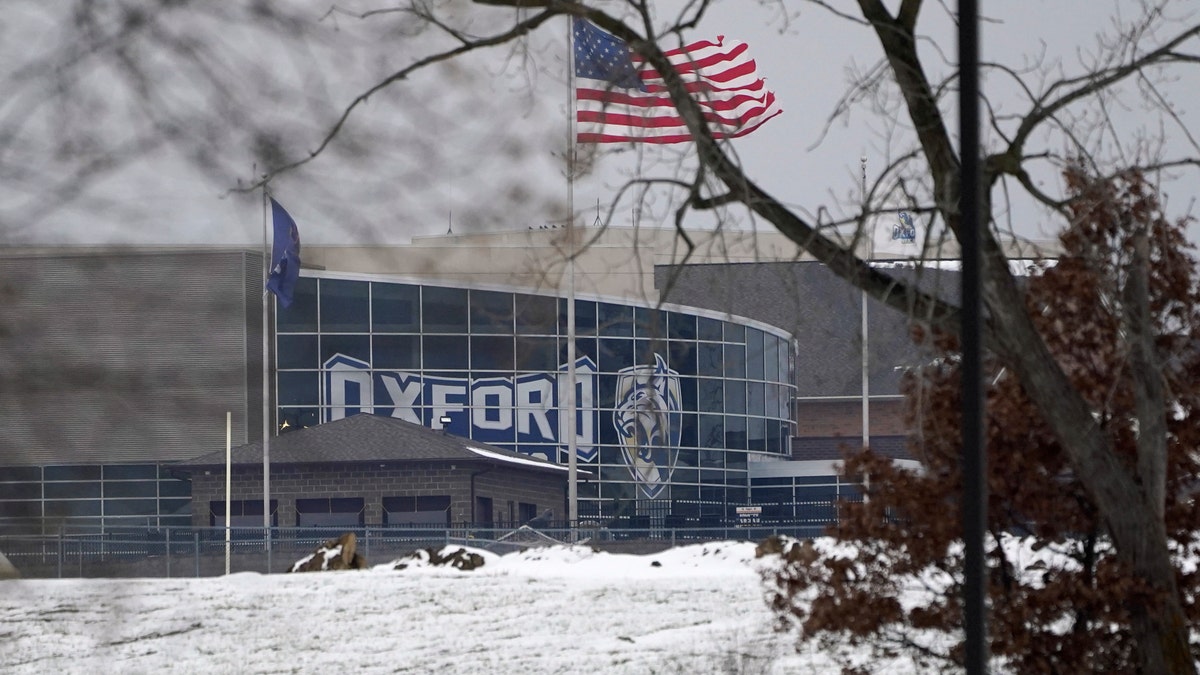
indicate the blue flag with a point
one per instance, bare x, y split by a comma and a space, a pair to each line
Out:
285, 256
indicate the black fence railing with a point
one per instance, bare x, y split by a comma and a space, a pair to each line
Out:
196, 552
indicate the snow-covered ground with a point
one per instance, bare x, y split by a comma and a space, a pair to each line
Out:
692, 609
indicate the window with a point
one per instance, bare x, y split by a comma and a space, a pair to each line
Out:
779, 511
491, 352
131, 488
329, 512
708, 329
683, 326
75, 508
537, 353
72, 490
483, 511
756, 403
645, 351
301, 317
27, 509
712, 459
445, 351
735, 460
710, 396
735, 432
344, 306
773, 495
19, 474
616, 320
615, 355
712, 431
651, 323
491, 312
417, 510
756, 433
354, 346
689, 434
397, 351
298, 351
444, 310
395, 308
682, 357
299, 387
586, 318
130, 472
711, 359
735, 397
291, 419
780, 480
31, 490
755, 357
735, 361
771, 357
242, 513
526, 512
84, 472
538, 315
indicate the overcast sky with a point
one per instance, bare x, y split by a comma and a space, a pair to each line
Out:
475, 145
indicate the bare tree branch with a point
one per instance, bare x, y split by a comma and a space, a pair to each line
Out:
521, 28
1082, 87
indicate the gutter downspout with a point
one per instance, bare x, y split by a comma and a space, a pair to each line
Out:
473, 475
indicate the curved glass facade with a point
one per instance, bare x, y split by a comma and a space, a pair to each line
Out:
671, 404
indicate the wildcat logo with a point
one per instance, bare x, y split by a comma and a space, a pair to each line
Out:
648, 419
906, 231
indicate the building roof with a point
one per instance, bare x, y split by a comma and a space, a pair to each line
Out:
824, 314
611, 261
370, 438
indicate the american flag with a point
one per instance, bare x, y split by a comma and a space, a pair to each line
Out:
622, 99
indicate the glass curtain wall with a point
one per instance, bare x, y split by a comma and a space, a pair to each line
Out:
91, 496
671, 404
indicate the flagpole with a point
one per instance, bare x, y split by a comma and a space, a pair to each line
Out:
266, 384
228, 482
572, 442
866, 354
866, 341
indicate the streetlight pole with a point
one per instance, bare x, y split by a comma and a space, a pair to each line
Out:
974, 457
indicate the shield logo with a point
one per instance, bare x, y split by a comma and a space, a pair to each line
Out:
648, 418
906, 231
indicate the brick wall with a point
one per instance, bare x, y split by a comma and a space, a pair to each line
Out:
506, 486
843, 418
833, 448
373, 482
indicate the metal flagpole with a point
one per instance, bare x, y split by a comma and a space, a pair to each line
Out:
974, 436
866, 341
266, 384
228, 481
866, 382
572, 404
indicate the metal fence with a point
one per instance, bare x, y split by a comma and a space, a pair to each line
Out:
197, 552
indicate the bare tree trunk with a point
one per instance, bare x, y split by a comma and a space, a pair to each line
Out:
1131, 513
1135, 525
1148, 388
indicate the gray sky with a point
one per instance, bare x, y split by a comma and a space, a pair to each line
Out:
477, 145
